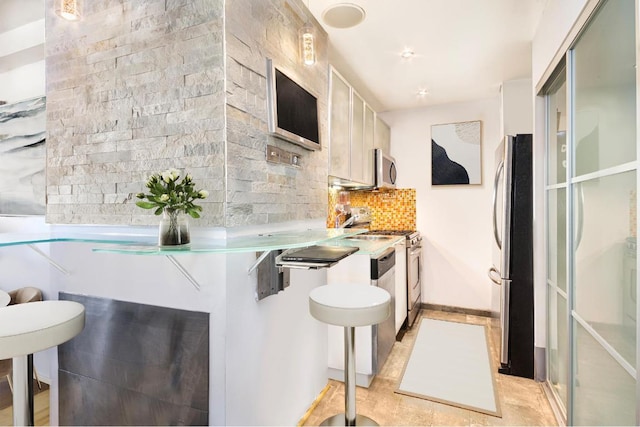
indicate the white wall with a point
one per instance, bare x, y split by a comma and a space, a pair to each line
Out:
276, 357
455, 221
23, 83
27, 81
556, 22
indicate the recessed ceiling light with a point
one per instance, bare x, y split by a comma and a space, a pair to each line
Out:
407, 53
343, 15
422, 92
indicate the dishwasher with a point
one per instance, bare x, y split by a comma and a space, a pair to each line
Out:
373, 343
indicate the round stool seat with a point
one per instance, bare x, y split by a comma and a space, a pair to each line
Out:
350, 305
29, 328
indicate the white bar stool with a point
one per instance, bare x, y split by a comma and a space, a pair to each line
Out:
349, 305
28, 328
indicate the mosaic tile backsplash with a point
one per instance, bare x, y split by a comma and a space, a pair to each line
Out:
390, 210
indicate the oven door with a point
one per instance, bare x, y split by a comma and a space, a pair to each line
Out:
414, 273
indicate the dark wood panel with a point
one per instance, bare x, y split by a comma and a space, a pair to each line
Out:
135, 358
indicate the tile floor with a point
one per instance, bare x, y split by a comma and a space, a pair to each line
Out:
522, 401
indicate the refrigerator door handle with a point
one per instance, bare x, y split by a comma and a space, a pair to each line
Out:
505, 253
504, 321
494, 275
496, 182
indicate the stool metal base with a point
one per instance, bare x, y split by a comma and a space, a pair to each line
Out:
341, 420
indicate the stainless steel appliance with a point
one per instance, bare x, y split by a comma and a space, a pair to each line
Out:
514, 237
413, 268
385, 170
414, 276
383, 276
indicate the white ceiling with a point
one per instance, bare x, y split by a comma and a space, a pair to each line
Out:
464, 48
21, 33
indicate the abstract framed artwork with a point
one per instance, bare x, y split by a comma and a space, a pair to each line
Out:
22, 157
455, 153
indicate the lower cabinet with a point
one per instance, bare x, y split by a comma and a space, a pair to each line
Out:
401, 284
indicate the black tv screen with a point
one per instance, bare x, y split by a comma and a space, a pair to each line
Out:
293, 111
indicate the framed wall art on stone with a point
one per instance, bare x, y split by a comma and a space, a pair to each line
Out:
22, 157
455, 153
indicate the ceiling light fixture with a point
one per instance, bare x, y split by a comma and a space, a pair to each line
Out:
407, 53
422, 92
307, 42
69, 10
343, 15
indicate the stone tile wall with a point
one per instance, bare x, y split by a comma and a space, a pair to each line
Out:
259, 192
138, 86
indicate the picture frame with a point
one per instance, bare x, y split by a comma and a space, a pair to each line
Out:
456, 153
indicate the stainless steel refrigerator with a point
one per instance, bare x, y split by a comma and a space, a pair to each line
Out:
513, 233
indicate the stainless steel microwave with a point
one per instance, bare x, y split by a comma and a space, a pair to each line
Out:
386, 171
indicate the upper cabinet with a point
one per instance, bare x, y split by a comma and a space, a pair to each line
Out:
339, 127
357, 138
369, 141
352, 134
383, 136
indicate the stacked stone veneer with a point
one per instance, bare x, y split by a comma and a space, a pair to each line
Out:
259, 192
139, 86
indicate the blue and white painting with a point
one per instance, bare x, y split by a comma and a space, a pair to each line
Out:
455, 153
22, 157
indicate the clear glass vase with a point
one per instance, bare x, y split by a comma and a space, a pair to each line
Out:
174, 228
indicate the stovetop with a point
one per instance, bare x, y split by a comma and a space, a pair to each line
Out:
413, 236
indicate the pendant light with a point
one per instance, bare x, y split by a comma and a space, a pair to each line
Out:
307, 42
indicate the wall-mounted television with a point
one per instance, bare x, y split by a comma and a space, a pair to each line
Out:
292, 110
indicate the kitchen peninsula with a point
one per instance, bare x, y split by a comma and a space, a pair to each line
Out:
248, 342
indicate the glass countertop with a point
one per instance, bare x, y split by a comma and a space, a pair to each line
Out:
368, 247
145, 244
14, 239
247, 243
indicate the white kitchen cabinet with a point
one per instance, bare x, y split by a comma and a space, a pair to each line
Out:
351, 133
369, 143
339, 127
382, 136
401, 284
357, 138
